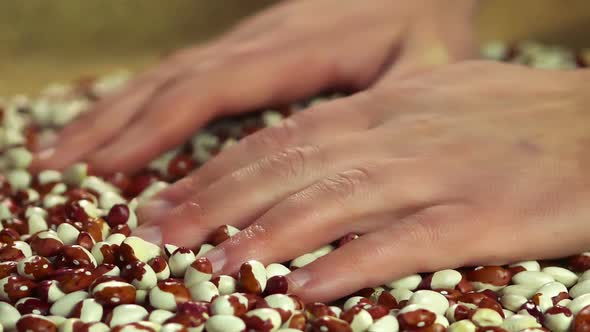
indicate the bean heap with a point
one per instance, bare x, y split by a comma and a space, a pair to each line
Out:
69, 262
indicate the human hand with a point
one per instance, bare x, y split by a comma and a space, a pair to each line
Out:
291, 51
472, 164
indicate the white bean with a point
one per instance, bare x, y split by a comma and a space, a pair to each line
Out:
565, 276
532, 279
430, 299
410, 282
225, 323
580, 289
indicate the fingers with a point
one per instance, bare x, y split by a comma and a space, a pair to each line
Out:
323, 123
274, 178
108, 117
426, 241
237, 86
322, 213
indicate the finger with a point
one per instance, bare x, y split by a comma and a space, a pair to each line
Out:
275, 178
178, 112
242, 84
426, 241
325, 211
322, 123
106, 119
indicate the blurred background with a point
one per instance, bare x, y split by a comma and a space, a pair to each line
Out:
45, 41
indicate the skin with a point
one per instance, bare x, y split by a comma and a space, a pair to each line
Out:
435, 166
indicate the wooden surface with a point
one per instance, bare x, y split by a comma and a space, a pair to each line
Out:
45, 41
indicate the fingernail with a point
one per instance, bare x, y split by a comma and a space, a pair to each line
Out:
150, 233
298, 279
153, 209
217, 258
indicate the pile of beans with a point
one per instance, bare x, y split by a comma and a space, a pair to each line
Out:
68, 260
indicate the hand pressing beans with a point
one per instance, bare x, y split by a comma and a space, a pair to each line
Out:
72, 218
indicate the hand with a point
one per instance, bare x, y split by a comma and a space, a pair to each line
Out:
473, 163
291, 51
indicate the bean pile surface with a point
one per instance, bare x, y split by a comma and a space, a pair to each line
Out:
69, 262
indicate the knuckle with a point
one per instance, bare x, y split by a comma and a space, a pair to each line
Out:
347, 184
291, 162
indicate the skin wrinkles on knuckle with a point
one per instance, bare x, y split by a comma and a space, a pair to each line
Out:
348, 184
290, 163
